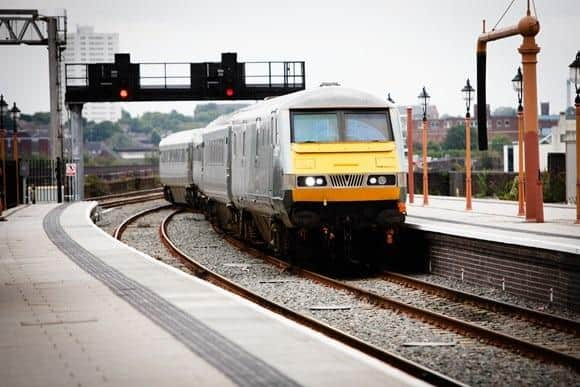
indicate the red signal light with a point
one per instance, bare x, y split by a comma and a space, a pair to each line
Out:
123, 93
230, 92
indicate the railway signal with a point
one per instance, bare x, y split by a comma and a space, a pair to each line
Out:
225, 80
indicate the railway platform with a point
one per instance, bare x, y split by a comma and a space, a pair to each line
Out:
492, 246
497, 221
81, 308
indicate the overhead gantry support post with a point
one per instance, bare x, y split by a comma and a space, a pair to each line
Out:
55, 86
528, 27
29, 27
76, 130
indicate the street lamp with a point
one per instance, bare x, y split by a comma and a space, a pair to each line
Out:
518, 87
423, 100
467, 91
15, 112
3, 109
575, 77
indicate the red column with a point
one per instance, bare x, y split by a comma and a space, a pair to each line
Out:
467, 163
533, 189
521, 179
577, 160
410, 155
425, 166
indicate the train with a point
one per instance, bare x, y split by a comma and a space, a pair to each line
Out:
323, 164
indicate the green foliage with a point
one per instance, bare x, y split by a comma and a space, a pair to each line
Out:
121, 140
39, 117
554, 187
101, 131
510, 190
94, 186
488, 160
205, 113
455, 138
155, 137
497, 143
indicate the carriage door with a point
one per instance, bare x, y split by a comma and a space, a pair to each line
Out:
228, 159
275, 168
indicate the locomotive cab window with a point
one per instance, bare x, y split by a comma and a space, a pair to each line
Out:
315, 127
341, 126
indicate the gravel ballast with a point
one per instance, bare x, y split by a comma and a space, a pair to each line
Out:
459, 357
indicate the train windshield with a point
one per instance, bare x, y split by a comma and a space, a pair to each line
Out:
341, 126
315, 127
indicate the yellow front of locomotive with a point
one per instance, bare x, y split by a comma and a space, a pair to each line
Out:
346, 169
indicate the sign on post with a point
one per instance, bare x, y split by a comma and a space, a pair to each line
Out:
71, 169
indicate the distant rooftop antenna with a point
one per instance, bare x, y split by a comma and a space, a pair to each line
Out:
391, 100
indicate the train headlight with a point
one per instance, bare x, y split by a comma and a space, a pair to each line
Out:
382, 180
311, 181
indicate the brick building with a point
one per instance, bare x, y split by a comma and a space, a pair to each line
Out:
497, 125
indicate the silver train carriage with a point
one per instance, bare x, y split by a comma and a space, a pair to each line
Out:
320, 161
175, 165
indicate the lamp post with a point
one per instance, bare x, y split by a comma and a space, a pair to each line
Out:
517, 83
423, 99
3, 109
15, 112
411, 172
467, 91
575, 77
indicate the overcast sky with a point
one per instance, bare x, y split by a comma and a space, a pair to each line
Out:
378, 46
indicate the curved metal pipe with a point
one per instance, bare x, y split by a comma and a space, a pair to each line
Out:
481, 60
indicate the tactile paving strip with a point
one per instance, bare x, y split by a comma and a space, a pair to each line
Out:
240, 366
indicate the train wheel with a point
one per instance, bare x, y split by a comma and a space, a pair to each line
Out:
168, 195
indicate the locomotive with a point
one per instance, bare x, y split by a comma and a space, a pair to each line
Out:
321, 164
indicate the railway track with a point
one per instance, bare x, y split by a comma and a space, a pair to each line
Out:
200, 271
544, 346
117, 200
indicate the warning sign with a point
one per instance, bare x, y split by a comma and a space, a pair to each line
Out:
71, 169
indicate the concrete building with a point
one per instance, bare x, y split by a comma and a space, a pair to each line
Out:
88, 46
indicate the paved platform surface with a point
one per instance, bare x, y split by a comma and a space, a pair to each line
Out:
80, 308
497, 221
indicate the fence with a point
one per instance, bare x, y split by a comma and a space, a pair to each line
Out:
38, 181
500, 185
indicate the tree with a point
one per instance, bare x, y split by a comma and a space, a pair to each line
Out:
101, 131
155, 137
433, 147
498, 142
455, 138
